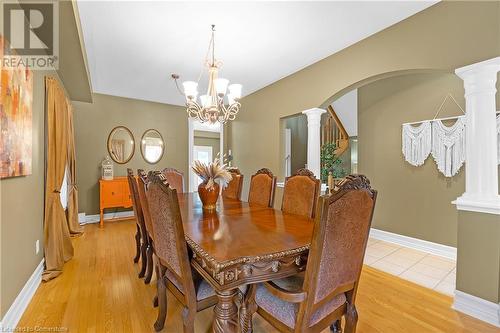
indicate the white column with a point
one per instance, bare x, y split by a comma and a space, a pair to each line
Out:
481, 168
314, 139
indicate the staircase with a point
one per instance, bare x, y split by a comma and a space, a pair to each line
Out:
332, 131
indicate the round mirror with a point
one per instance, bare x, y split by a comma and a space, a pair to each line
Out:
152, 146
121, 144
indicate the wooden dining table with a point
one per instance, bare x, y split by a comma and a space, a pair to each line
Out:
241, 244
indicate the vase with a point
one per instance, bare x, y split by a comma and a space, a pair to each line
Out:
208, 196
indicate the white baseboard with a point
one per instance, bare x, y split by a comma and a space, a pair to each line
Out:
16, 310
86, 219
477, 307
415, 243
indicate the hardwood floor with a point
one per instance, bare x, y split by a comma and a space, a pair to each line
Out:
99, 291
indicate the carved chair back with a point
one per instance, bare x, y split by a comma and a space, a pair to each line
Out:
233, 189
300, 194
262, 188
136, 204
337, 249
142, 186
170, 242
175, 179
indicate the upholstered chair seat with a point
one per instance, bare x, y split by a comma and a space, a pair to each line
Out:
141, 237
326, 291
286, 312
301, 193
262, 186
233, 189
175, 179
202, 288
173, 267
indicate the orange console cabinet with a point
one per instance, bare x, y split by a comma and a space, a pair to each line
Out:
112, 194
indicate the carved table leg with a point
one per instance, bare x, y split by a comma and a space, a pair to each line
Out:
226, 312
247, 309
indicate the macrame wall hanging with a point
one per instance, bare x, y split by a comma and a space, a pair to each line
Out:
417, 143
446, 144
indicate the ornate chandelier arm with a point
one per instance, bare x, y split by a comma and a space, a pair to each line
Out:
194, 110
229, 112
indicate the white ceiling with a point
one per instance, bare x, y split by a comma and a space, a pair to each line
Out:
133, 46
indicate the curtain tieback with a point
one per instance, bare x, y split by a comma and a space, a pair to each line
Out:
56, 191
74, 186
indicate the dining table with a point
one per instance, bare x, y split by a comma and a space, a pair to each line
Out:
242, 244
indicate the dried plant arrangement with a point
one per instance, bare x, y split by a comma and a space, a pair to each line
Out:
213, 172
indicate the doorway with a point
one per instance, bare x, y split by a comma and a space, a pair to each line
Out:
203, 154
205, 143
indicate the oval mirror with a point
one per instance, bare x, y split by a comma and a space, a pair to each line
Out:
152, 146
121, 144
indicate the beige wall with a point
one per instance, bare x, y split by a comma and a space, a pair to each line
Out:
22, 202
22, 210
443, 37
412, 201
94, 122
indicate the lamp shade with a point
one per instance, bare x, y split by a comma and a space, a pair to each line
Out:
205, 100
235, 90
190, 89
230, 99
221, 86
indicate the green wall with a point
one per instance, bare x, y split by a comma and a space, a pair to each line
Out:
478, 255
412, 201
94, 122
438, 39
22, 209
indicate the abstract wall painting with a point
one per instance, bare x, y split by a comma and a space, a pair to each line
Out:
16, 119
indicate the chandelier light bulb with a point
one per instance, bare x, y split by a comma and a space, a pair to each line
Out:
235, 90
230, 99
190, 89
221, 86
205, 101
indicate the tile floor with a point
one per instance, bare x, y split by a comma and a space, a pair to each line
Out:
425, 269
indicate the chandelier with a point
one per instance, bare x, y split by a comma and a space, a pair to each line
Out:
212, 106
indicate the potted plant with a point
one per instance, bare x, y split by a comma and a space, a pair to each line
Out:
331, 163
213, 175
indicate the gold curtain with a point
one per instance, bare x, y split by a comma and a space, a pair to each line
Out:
74, 227
58, 247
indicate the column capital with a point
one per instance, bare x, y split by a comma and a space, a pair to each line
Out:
489, 66
314, 116
314, 112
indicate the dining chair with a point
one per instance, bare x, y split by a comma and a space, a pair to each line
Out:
300, 193
262, 188
174, 267
142, 183
233, 189
175, 179
141, 239
327, 291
